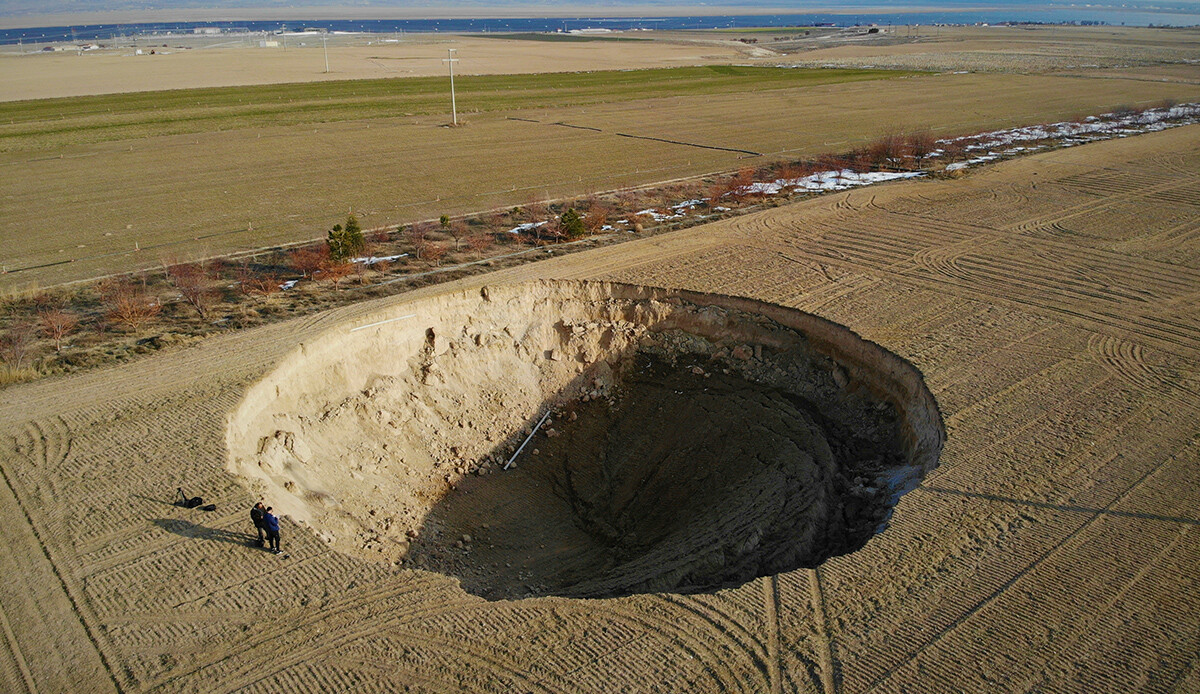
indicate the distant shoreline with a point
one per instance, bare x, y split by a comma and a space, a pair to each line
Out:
472, 12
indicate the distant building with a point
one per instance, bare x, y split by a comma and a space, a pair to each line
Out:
206, 30
268, 44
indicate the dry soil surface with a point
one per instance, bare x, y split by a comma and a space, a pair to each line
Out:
39, 76
1049, 302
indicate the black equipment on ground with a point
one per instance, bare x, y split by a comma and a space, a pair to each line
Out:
190, 502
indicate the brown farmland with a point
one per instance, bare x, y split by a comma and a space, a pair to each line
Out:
218, 192
1048, 301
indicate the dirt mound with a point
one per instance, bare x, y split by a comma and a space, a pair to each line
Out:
694, 440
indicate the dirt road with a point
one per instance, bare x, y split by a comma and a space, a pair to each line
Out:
1050, 303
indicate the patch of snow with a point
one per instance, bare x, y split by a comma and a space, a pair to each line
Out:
377, 259
826, 180
527, 226
288, 285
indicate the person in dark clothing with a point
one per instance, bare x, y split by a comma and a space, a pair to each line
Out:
272, 524
256, 516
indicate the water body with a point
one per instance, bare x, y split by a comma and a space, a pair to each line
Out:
1071, 15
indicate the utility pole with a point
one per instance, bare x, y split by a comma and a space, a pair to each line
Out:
326, 49
451, 61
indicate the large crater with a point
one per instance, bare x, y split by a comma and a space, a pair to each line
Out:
694, 441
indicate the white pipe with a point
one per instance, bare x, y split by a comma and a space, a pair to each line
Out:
527, 440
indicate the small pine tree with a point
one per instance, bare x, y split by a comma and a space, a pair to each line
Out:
572, 224
346, 243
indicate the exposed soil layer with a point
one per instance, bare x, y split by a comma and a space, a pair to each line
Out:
694, 441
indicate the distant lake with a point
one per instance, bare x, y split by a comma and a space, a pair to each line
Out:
1072, 15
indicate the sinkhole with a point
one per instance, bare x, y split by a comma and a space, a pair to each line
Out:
673, 441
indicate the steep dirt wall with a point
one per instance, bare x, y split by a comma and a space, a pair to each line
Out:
368, 431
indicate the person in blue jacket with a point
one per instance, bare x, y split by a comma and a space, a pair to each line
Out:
272, 524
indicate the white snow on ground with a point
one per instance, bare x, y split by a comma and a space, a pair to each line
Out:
288, 285
527, 226
659, 216
827, 180
1103, 127
371, 260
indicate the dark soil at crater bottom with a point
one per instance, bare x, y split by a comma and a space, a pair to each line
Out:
688, 479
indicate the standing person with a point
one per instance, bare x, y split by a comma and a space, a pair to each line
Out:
256, 516
272, 524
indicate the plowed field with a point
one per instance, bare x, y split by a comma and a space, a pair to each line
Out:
1050, 303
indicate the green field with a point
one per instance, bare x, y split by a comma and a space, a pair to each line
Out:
50, 123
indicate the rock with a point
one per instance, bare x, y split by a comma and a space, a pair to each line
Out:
572, 417
840, 377
537, 451
466, 539
741, 352
698, 371
551, 433
411, 533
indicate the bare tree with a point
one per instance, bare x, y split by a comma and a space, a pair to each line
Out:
457, 230
308, 260
129, 305
418, 235
435, 252
57, 324
191, 279
336, 271
920, 145
479, 242
597, 217
16, 344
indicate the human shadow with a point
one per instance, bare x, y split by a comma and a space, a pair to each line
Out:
172, 504
1062, 507
191, 530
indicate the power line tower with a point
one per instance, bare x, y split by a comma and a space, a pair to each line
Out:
451, 60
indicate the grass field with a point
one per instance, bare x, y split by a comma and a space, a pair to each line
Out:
1048, 301
46, 124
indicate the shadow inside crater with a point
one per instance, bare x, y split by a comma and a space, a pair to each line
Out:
689, 478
